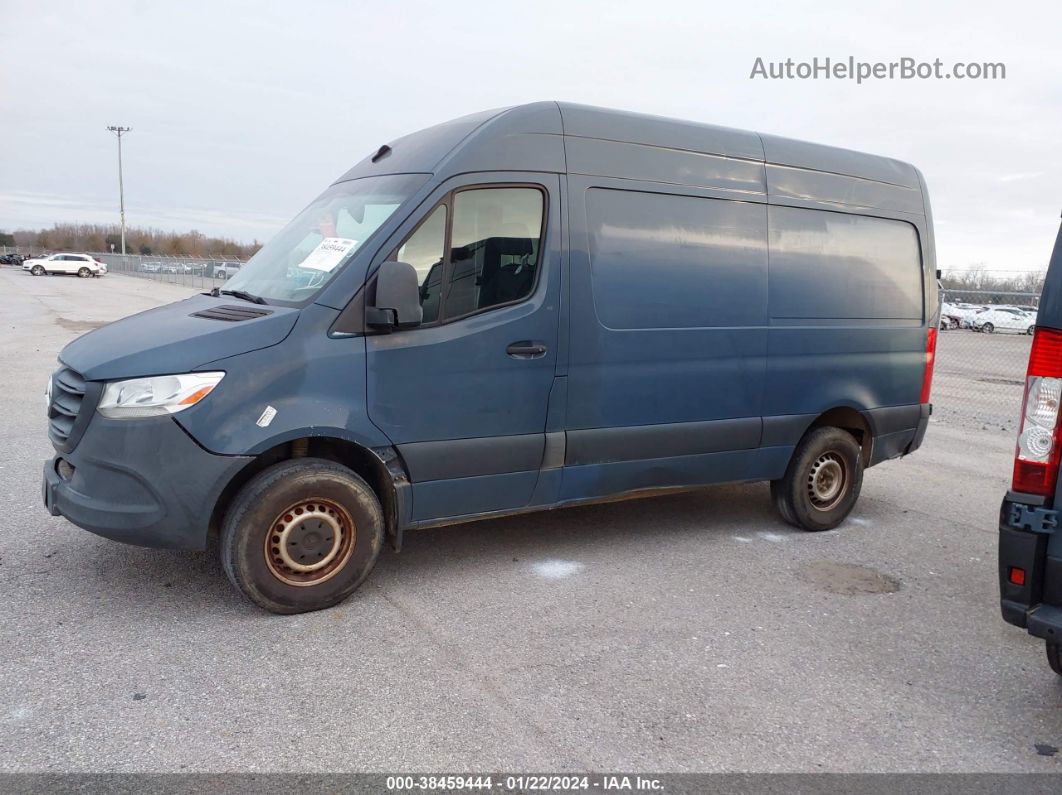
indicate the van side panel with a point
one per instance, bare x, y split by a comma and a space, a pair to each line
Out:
831, 265
671, 166
812, 157
797, 183
668, 337
847, 322
583, 121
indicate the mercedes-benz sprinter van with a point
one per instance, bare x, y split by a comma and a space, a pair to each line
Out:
516, 310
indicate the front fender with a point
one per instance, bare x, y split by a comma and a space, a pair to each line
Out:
308, 385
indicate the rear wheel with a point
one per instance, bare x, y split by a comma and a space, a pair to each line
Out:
1054, 657
822, 482
302, 535
37, 270
988, 328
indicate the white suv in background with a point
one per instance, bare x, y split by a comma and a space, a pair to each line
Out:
81, 264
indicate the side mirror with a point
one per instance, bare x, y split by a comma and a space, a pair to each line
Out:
397, 302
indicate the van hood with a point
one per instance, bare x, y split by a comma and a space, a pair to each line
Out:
172, 339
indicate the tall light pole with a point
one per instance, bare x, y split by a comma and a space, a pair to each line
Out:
121, 190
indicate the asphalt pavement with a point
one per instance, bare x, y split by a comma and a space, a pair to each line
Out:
690, 632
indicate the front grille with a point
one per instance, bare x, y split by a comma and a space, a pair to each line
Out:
64, 409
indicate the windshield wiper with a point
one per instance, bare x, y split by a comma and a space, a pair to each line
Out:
246, 296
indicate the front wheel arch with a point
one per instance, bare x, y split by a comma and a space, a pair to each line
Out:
383, 470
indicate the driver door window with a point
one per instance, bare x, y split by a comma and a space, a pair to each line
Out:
494, 240
493, 248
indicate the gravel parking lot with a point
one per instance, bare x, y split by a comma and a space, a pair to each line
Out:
691, 632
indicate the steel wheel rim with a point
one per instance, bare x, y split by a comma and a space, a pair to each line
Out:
827, 481
309, 542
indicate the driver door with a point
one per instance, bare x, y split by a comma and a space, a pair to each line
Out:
464, 396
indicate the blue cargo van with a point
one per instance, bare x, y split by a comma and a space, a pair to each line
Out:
516, 310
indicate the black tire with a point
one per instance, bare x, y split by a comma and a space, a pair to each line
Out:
1030, 330
988, 328
1054, 657
340, 515
827, 458
37, 270
84, 273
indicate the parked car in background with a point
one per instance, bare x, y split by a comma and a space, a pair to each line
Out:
169, 267
12, 259
149, 267
1004, 318
968, 312
950, 316
83, 265
963, 313
224, 270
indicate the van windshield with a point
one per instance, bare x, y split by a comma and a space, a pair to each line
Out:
310, 250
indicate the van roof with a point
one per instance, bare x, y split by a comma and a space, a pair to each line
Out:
569, 138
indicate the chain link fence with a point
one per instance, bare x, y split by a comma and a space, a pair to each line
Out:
982, 353
188, 271
199, 272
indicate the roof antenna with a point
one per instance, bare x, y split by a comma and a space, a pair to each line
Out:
381, 153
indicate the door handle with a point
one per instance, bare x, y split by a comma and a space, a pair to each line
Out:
526, 349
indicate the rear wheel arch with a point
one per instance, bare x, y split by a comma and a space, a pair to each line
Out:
851, 420
377, 469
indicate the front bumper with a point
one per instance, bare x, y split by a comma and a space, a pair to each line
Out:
1030, 539
142, 481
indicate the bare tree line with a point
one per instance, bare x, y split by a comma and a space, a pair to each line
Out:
978, 278
138, 240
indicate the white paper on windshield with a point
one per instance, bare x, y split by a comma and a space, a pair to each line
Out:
328, 254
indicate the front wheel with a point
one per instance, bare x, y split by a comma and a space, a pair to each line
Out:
988, 328
822, 482
84, 273
37, 270
1030, 330
301, 535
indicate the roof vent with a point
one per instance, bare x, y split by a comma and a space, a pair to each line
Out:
381, 153
232, 314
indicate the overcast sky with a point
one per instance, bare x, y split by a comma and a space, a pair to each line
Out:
243, 111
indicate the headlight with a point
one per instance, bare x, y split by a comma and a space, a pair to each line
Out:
160, 394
